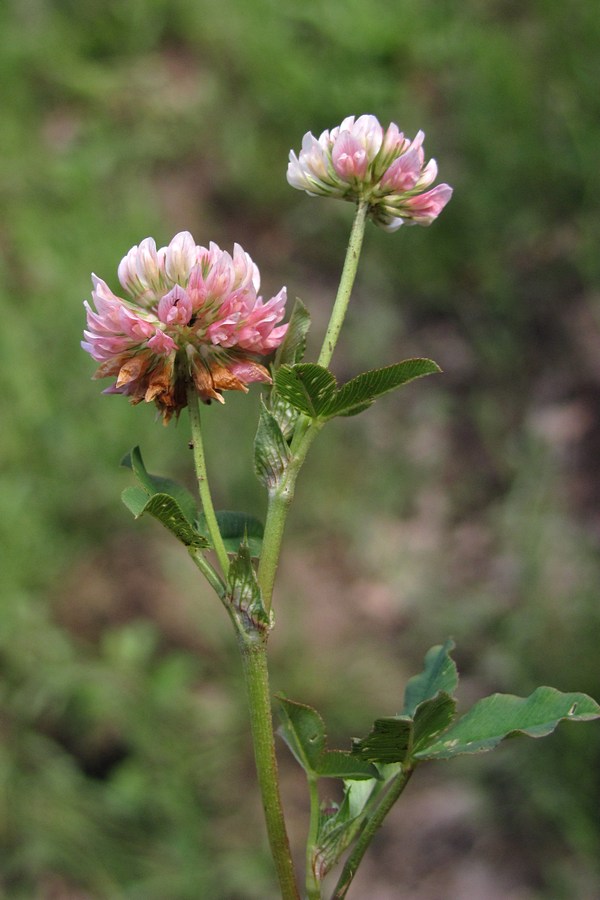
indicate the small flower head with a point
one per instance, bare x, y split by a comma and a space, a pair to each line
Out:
193, 316
357, 160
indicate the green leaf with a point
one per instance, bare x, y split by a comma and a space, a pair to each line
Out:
359, 393
168, 512
155, 484
439, 674
303, 730
431, 718
500, 716
340, 764
428, 710
235, 528
389, 741
307, 387
313, 390
294, 344
271, 452
244, 593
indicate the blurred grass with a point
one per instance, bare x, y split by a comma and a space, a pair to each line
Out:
468, 506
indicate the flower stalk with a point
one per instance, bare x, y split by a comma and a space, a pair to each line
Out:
202, 477
344, 292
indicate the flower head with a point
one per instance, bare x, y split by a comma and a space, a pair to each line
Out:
193, 317
357, 160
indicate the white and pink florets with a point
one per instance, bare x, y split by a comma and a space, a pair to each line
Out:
358, 160
194, 317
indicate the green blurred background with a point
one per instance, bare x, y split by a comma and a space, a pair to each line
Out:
466, 505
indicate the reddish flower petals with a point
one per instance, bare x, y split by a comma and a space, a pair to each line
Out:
349, 157
358, 161
195, 315
175, 308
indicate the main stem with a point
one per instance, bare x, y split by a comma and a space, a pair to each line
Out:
201, 475
374, 823
254, 658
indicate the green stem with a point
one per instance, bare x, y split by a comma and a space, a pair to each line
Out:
203, 488
306, 430
279, 503
374, 823
346, 282
209, 573
313, 888
254, 658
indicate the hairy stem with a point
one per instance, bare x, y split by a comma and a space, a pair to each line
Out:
201, 475
254, 658
346, 283
374, 823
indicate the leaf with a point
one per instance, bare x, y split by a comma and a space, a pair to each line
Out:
389, 741
303, 730
307, 387
431, 718
340, 764
294, 344
428, 710
313, 390
271, 452
155, 484
500, 716
168, 512
439, 674
244, 593
360, 392
235, 528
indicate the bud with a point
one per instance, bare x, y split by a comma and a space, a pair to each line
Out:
358, 161
194, 317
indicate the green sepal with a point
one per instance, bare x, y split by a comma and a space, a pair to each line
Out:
156, 484
293, 347
271, 451
244, 594
168, 512
303, 730
313, 390
236, 528
501, 716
